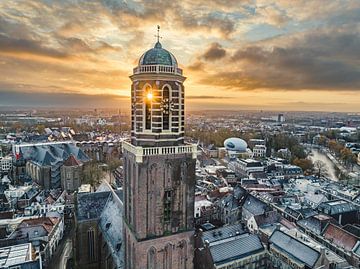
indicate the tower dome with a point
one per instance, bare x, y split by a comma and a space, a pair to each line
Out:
158, 56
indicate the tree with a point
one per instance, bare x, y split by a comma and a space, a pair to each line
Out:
348, 157
92, 174
40, 128
320, 168
305, 164
335, 147
112, 165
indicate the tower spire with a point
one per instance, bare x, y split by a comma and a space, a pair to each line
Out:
158, 34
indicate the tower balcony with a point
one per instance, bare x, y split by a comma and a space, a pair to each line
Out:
157, 69
141, 152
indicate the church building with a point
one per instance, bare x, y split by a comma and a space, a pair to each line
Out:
159, 168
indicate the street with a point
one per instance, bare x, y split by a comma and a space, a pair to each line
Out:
63, 252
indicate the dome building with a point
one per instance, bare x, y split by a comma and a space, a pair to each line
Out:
157, 97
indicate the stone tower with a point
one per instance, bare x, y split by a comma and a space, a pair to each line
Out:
159, 168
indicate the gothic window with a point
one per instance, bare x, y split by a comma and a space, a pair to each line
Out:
91, 244
183, 256
165, 107
148, 104
168, 256
167, 205
151, 258
183, 171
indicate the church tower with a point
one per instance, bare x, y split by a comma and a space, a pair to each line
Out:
159, 168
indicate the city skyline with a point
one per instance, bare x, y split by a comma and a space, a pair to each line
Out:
270, 55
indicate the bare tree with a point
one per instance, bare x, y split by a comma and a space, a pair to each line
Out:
92, 174
112, 165
320, 168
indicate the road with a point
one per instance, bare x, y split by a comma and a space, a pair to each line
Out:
66, 254
63, 252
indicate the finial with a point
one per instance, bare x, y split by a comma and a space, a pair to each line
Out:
158, 33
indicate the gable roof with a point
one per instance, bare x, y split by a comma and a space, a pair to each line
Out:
267, 218
340, 237
255, 206
334, 207
234, 248
316, 223
294, 248
222, 233
72, 161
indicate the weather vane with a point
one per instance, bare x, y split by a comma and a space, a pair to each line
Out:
158, 33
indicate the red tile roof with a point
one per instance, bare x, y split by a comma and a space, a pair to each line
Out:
72, 161
340, 237
46, 222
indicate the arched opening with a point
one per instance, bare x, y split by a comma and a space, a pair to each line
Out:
148, 96
91, 244
168, 256
166, 108
151, 258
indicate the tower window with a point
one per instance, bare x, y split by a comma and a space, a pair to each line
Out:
166, 108
167, 205
148, 104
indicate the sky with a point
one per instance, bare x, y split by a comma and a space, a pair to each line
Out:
236, 54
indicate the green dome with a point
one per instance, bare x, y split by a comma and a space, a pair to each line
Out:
157, 55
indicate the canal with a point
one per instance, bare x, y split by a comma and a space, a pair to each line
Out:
317, 155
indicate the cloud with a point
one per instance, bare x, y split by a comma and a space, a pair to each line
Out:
203, 97
321, 60
66, 100
91, 46
214, 52
13, 45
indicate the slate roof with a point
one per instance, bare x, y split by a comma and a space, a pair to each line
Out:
340, 237
315, 224
355, 230
234, 248
315, 198
334, 207
222, 233
52, 155
111, 225
267, 218
230, 202
294, 248
255, 206
48, 154
91, 205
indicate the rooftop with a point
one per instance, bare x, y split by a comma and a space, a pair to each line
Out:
236, 247
294, 248
15, 255
91, 205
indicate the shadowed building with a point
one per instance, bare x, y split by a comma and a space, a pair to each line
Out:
98, 240
159, 168
71, 172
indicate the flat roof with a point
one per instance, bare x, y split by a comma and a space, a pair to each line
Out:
15, 255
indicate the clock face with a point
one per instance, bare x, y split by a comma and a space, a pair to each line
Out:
166, 106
